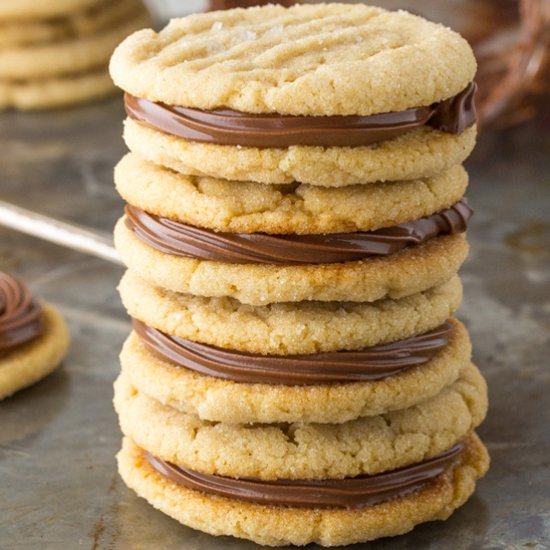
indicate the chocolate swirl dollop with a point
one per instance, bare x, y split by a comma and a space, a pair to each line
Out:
179, 239
369, 364
228, 127
356, 492
20, 314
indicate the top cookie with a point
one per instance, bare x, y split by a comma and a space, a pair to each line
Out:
325, 59
41, 9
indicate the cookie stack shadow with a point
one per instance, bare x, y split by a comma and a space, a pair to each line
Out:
295, 372
56, 53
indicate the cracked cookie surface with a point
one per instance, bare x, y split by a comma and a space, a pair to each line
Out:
300, 450
286, 329
248, 207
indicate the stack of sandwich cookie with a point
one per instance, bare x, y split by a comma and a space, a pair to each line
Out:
33, 337
56, 53
294, 226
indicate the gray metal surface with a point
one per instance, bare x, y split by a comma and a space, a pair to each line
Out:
58, 481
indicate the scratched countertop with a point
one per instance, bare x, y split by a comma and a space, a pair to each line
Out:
59, 487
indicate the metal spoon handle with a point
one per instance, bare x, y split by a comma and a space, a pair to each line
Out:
65, 234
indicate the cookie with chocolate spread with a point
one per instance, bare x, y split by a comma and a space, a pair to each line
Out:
248, 207
406, 504
260, 269
302, 450
33, 337
287, 329
224, 385
323, 94
417, 154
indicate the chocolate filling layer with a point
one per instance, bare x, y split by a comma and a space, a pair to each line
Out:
228, 127
356, 492
179, 239
320, 368
20, 315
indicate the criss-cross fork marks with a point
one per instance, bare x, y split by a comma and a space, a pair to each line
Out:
289, 43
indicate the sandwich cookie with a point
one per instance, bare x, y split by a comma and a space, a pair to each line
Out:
257, 268
301, 450
435, 496
279, 95
262, 244
224, 385
33, 337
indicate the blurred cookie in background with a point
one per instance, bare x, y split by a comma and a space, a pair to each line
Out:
56, 53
